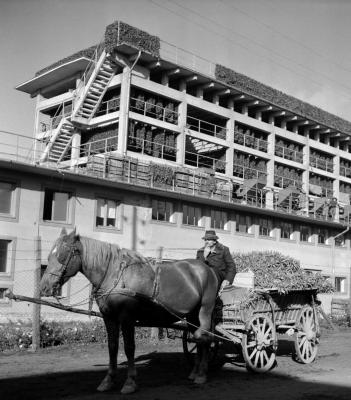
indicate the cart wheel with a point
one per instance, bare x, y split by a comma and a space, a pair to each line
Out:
189, 348
259, 343
306, 338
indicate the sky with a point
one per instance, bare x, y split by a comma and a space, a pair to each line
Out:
301, 47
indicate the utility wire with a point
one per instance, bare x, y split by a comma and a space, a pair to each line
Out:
303, 45
207, 28
269, 49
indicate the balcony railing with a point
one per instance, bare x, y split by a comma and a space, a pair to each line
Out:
153, 110
321, 164
241, 171
345, 171
208, 128
107, 107
250, 141
52, 123
200, 161
283, 182
288, 154
98, 146
152, 148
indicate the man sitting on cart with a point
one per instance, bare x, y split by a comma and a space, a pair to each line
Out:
217, 256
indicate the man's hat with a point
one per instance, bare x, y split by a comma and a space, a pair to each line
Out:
210, 235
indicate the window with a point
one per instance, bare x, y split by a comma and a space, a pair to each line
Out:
4, 250
243, 223
265, 227
192, 215
6, 197
340, 284
286, 230
322, 235
219, 219
106, 213
162, 210
305, 233
56, 206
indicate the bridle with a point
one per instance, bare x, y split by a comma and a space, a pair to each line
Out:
62, 274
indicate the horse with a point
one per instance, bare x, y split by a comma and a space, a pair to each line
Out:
129, 291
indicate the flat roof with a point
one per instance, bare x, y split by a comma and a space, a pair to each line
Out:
54, 75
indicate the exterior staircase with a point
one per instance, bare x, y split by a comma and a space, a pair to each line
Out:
90, 94
59, 142
249, 184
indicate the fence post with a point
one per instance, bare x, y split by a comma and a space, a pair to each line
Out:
157, 333
36, 294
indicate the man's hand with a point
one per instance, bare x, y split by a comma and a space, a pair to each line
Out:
224, 284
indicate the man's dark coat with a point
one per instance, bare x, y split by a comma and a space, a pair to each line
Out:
220, 260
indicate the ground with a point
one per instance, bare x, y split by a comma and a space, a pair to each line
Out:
74, 372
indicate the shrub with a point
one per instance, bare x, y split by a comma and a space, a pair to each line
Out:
280, 99
18, 336
119, 33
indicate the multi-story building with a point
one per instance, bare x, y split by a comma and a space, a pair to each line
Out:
143, 144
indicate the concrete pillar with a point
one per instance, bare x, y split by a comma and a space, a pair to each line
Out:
230, 104
229, 155
200, 93
258, 115
336, 183
124, 111
270, 170
182, 86
36, 127
182, 111
245, 109
215, 99
165, 80
75, 152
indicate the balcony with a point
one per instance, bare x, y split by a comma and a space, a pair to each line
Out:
107, 107
288, 154
48, 124
201, 161
345, 171
284, 182
154, 110
152, 148
320, 163
207, 128
250, 141
244, 172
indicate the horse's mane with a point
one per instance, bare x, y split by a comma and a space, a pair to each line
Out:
97, 253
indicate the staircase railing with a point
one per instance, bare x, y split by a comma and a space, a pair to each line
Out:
79, 92
52, 141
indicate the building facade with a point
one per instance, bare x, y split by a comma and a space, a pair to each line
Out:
140, 143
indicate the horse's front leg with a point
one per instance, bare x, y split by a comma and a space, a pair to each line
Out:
128, 331
112, 329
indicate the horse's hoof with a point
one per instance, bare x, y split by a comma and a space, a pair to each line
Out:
200, 380
192, 376
129, 387
106, 384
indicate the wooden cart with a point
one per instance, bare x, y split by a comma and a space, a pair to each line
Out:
254, 322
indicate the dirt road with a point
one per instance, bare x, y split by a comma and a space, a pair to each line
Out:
75, 372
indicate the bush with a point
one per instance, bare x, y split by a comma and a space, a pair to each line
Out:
18, 336
119, 33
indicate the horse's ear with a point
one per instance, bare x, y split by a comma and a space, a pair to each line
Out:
63, 232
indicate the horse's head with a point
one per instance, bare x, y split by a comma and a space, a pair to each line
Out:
64, 261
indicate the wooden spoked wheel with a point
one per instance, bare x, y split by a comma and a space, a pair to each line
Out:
189, 348
307, 335
259, 343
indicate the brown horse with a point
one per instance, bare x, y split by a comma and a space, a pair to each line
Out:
129, 291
